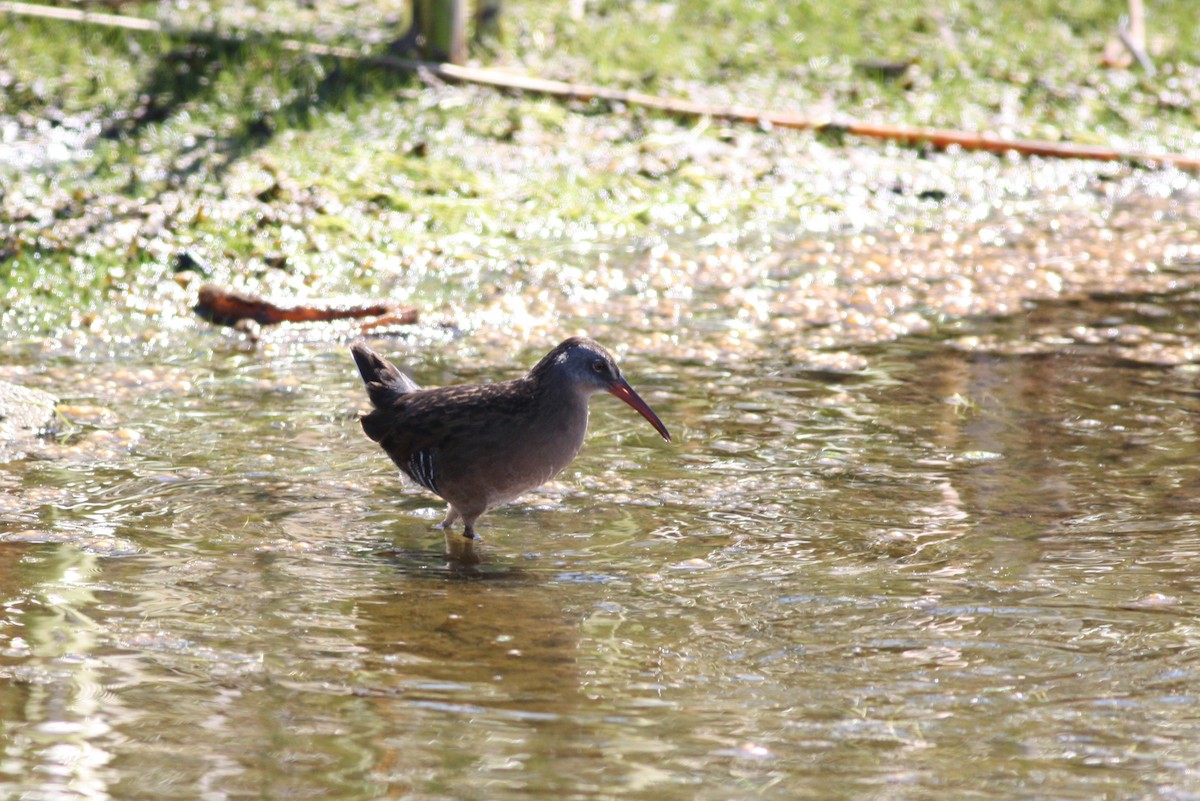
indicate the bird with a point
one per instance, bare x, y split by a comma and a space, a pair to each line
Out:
478, 446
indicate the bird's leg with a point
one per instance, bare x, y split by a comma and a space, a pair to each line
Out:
460, 549
469, 516
449, 519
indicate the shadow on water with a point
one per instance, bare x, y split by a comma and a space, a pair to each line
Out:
434, 565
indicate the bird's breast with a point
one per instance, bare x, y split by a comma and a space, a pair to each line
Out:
528, 458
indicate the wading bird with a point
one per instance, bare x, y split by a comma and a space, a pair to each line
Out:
480, 445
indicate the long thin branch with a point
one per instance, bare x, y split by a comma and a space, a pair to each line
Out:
938, 138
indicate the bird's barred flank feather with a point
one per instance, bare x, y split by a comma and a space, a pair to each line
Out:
421, 470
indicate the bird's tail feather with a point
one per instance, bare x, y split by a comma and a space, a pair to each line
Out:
373, 426
384, 382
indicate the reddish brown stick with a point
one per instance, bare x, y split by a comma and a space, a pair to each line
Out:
939, 138
221, 307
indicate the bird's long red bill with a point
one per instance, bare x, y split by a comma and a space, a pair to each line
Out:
622, 390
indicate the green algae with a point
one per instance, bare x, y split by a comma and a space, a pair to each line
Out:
287, 167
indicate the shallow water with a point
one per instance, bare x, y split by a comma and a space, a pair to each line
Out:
966, 571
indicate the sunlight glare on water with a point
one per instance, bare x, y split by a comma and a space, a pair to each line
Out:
963, 571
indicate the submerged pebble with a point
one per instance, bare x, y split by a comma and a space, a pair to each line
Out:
101, 544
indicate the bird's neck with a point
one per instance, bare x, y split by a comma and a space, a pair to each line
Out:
563, 405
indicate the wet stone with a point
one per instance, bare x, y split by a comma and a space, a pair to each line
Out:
25, 414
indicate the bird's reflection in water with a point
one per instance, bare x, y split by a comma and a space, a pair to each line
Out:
490, 644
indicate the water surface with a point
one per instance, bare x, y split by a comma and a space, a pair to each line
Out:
964, 571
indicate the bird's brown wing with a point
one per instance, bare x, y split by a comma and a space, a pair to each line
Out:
435, 420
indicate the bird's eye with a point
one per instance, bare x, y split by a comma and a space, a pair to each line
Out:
598, 366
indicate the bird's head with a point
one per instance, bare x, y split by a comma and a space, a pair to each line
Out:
587, 367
